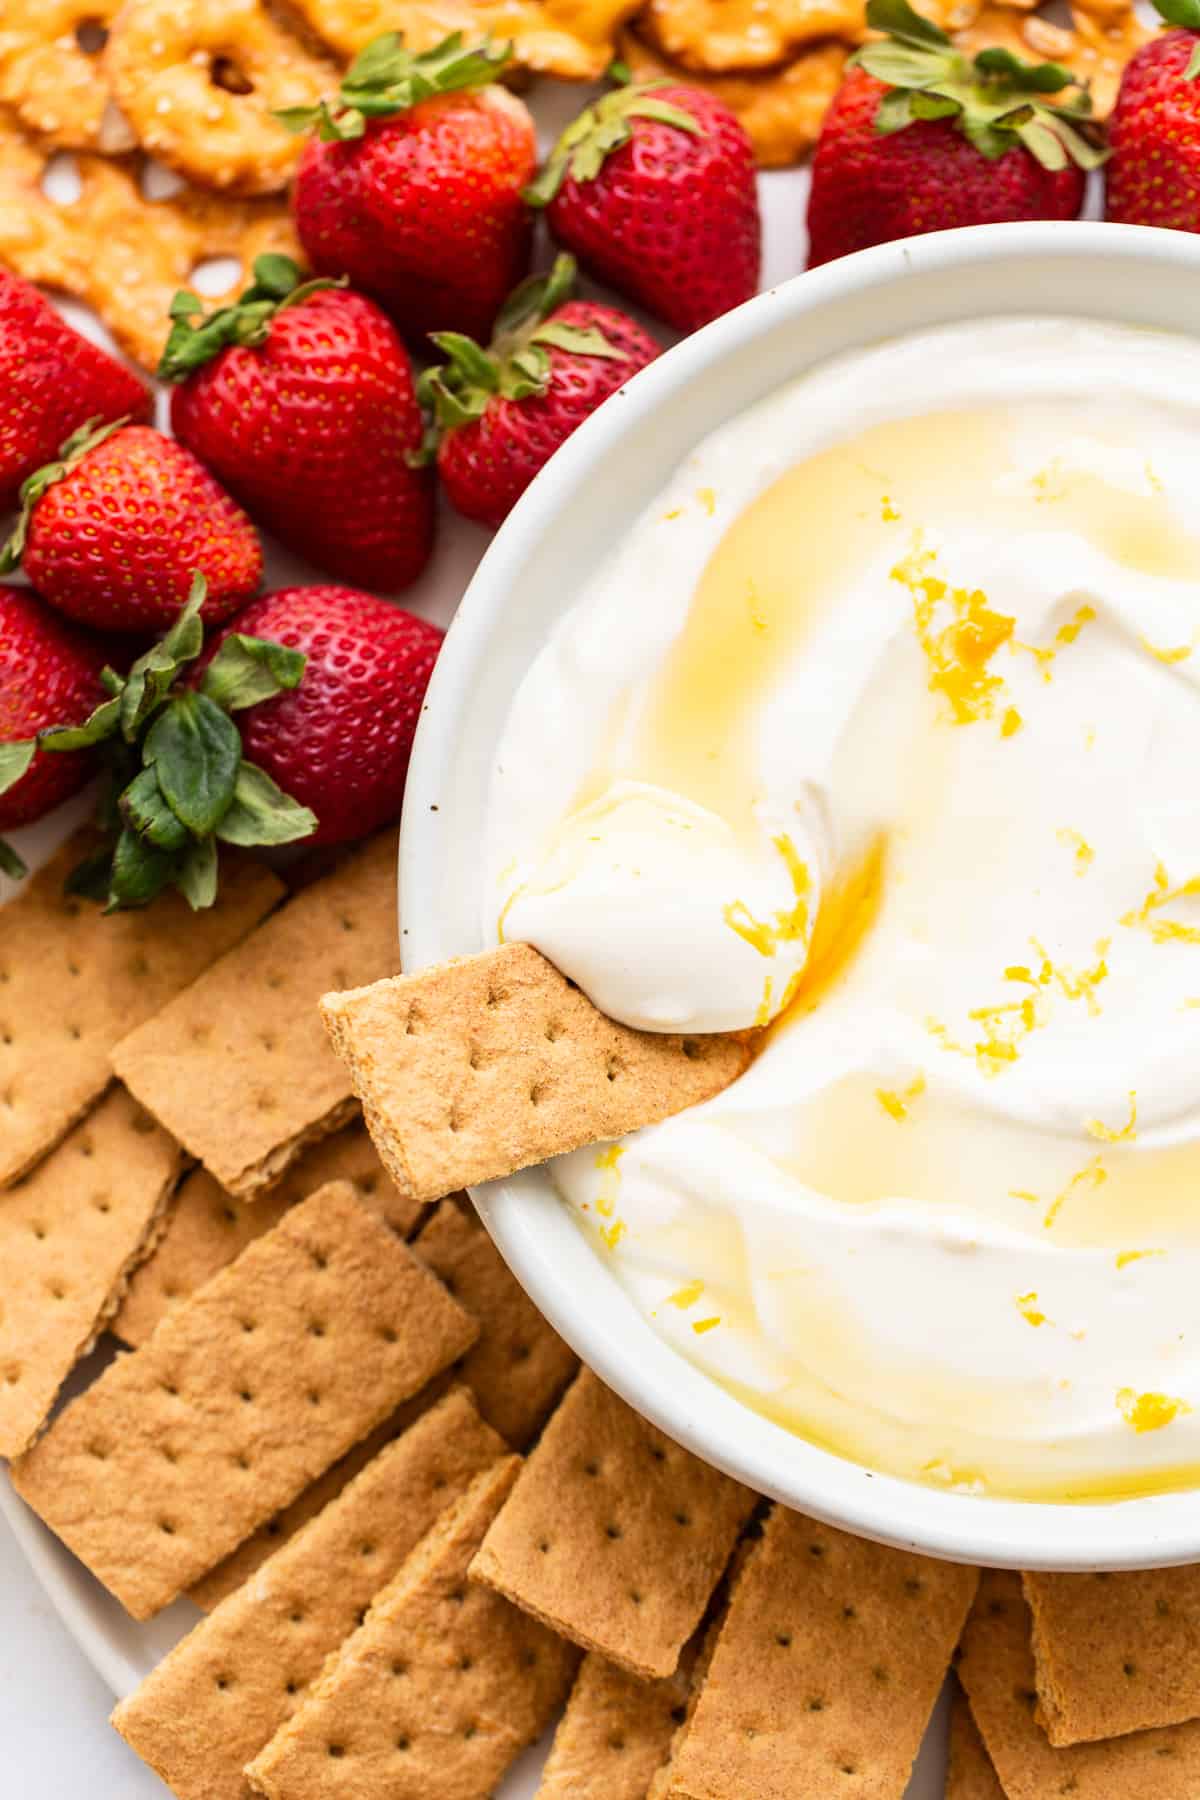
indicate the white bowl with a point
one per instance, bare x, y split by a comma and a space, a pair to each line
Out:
592, 491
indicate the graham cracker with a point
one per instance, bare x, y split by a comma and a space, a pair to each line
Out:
438, 1692
614, 1536
224, 1692
74, 980
242, 1397
238, 1067
207, 1227
250, 1555
479, 1067
969, 1774
1115, 1653
996, 1669
827, 1667
70, 1233
615, 1734
518, 1365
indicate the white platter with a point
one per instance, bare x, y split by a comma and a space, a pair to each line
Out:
121, 1651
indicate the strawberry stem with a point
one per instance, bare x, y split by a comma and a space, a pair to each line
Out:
600, 129
196, 336
996, 100
385, 79
70, 454
177, 782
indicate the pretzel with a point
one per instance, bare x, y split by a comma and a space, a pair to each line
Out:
719, 36
572, 39
200, 81
124, 254
781, 109
51, 72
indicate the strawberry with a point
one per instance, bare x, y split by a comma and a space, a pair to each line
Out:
500, 413
920, 138
52, 379
653, 188
112, 532
1154, 175
178, 782
412, 185
340, 744
49, 672
300, 398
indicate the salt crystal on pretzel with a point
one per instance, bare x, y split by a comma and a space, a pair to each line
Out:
573, 39
200, 82
781, 109
52, 76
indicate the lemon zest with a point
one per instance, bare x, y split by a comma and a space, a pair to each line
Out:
1044, 654
1011, 723
707, 499
608, 1162
1149, 1412
887, 511
1027, 1307
1177, 654
687, 1295
1162, 894
1131, 1256
789, 927
1125, 1135
1085, 856
700, 1326
1093, 1175
959, 649
612, 1234
896, 1105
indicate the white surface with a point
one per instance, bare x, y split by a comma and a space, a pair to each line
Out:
594, 489
65, 1648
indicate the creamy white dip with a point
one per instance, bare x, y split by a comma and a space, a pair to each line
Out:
882, 729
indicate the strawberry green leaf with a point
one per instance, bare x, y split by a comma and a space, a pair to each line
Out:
196, 750
10, 863
150, 678
139, 872
92, 878
997, 101
1180, 12
15, 759
246, 670
473, 367
196, 875
385, 78
196, 336
578, 340
102, 723
600, 129
144, 809
534, 299
899, 20
261, 813
70, 454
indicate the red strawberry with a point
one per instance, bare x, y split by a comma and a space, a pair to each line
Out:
653, 188
340, 743
412, 187
301, 400
113, 532
1154, 175
920, 139
51, 379
49, 675
501, 413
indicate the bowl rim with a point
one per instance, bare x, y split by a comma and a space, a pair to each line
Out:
1142, 1532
